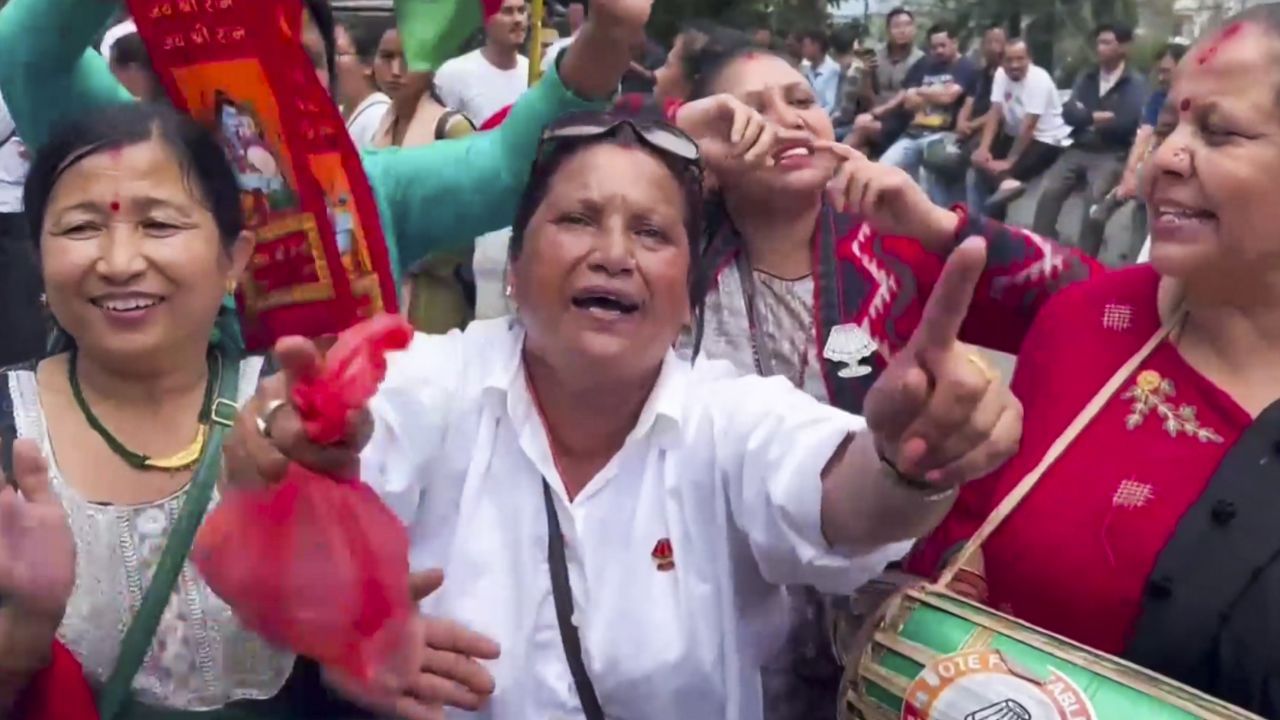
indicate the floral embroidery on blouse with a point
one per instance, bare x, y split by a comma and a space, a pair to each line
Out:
1150, 392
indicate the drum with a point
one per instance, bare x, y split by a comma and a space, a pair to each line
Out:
937, 656
930, 654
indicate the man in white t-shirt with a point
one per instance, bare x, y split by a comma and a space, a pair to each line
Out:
484, 81
1023, 135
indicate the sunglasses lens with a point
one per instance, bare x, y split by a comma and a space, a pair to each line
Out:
675, 143
663, 138
576, 130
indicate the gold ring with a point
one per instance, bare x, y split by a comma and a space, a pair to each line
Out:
982, 365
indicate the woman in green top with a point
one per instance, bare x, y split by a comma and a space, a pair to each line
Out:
431, 198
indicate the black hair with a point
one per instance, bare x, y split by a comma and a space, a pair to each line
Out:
704, 66
366, 36
322, 16
205, 167
129, 50
1173, 50
943, 28
995, 26
552, 157
818, 36
845, 37
704, 42
1123, 33
208, 173
888, 19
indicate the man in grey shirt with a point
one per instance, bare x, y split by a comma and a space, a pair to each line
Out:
877, 129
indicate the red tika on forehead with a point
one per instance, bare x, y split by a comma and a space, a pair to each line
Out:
1222, 39
1185, 105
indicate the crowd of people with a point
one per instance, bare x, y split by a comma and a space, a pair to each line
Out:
735, 370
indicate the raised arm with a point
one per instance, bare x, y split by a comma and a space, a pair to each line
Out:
443, 195
1022, 271
808, 484
48, 69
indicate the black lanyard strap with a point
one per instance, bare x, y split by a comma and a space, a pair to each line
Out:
562, 593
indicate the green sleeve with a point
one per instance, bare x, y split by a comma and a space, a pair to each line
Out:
48, 71
443, 195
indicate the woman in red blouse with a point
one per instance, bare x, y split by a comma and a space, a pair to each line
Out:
823, 261
1153, 535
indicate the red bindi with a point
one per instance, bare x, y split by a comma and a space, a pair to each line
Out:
115, 206
1185, 105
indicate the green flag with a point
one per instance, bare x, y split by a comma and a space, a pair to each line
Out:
433, 31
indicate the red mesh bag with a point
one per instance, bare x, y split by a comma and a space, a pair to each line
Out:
315, 564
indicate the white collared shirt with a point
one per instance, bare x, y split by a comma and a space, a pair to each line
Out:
725, 468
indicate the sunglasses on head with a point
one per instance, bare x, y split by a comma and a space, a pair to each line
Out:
658, 135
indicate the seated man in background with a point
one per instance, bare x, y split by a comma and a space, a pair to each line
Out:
973, 116
1024, 132
823, 71
1127, 189
877, 128
1105, 108
937, 89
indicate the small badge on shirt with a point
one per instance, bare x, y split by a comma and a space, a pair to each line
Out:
664, 557
848, 344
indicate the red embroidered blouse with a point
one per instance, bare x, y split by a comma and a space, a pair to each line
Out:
1076, 556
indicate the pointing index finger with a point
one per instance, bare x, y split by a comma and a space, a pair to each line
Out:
949, 302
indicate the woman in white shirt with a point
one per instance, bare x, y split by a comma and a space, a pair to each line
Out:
669, 501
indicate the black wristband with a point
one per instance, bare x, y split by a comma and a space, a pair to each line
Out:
929, 490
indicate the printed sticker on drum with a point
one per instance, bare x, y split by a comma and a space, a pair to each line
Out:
979, 685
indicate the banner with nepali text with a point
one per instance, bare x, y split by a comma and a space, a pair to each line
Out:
320, 261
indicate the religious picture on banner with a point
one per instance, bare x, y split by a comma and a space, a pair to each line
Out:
320, 260
353, 245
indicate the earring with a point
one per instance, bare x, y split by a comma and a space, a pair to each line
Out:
231, 287
507, 291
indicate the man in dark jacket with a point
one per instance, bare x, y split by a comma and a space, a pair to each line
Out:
1104, 109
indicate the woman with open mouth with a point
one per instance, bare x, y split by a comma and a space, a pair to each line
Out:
619, 519
1149, 529
137, 216
823, 263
